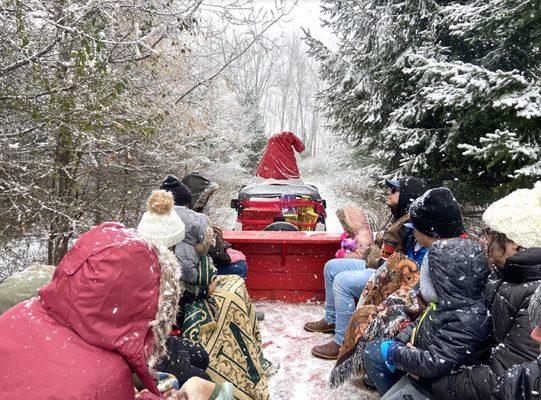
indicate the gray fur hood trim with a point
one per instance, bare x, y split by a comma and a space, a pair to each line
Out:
168, 302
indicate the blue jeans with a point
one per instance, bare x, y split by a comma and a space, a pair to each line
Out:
239, 268
345, 279
376, 369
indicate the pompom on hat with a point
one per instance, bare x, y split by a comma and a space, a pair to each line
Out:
518, 216
161, 225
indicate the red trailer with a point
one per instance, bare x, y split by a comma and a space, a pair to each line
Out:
281, 228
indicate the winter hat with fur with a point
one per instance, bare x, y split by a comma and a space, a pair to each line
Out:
518, 216
534, 309
437, 214
161, 225
181, 192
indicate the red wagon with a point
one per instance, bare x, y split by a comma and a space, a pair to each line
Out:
281, 228
286, 250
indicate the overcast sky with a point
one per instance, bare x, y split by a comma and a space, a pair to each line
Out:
306, 14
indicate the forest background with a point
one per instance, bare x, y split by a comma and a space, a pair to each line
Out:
99, 100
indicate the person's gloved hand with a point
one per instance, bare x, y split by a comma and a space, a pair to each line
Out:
406, 331
340, 253
166, 382
388, 351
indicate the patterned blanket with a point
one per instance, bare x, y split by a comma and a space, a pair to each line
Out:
385, 304
226, 326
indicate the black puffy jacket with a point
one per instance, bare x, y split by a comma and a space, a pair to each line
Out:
451, 333
510, 342
520, 383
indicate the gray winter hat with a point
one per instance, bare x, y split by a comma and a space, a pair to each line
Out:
534, 309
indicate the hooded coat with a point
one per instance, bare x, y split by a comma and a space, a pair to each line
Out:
278, 161
355, 223
197, 240
509, 296
394, 236
105, 314
451, 332
410, 189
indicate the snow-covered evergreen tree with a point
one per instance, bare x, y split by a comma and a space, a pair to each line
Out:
445, 89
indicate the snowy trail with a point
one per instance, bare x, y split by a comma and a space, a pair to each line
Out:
300, 375
285, 342
334, 203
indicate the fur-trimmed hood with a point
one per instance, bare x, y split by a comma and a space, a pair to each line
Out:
352, 219
105, 289
168, 302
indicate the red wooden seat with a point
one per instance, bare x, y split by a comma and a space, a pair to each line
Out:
285, 266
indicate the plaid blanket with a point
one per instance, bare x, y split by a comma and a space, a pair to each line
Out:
226, 326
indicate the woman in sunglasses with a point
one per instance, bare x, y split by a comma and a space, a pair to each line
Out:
513, 243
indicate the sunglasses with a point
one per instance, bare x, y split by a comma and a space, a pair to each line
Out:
393, 190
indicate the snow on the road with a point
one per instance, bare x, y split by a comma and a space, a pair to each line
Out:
300, 375
333, 203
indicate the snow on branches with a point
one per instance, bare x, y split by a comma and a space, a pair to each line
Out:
446, 90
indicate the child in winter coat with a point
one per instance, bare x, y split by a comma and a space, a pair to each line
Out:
198, 239
345, 278
357, 234
227, 260
455, 324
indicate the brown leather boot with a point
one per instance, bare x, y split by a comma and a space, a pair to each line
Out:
327, 351
320, 326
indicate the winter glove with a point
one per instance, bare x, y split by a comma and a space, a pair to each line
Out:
388, 350
340, 253
166, 382
405, 333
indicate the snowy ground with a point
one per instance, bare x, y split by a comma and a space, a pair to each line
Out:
334, 203
300, 376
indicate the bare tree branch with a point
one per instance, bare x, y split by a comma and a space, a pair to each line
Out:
229, 62
33, 57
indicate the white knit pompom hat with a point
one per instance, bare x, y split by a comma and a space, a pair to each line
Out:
518, 215
161, 225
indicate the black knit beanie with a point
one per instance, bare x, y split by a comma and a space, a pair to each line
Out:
437, 214
181, 193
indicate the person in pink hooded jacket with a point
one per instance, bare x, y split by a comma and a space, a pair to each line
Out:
103, 316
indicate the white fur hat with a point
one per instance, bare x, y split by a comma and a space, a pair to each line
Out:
161, 225
518, 215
